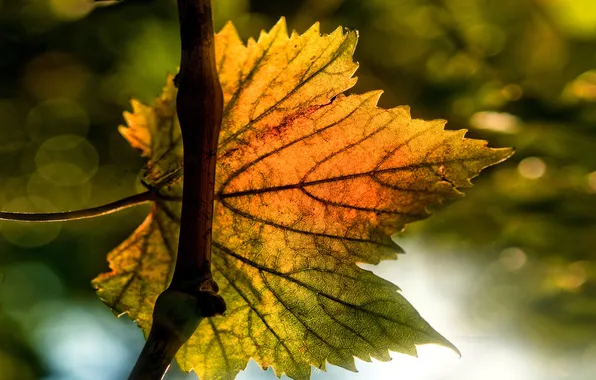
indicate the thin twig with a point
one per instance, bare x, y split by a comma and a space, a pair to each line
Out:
109, 208
105, 3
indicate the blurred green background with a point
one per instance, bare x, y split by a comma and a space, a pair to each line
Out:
507, 273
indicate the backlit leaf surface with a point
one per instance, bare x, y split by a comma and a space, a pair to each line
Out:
309, 183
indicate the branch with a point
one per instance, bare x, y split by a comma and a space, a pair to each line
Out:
192, 294
147, 196
200, 110
106, 2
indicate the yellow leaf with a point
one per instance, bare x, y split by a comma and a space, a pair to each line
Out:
309, 183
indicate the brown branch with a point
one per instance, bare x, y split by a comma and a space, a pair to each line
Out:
175, 318
200, 108
147, 196
192, 294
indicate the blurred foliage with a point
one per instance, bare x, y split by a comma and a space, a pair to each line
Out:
519, 73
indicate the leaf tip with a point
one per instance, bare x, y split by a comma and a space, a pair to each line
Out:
228, 27
499, 155
314, 29
281, 27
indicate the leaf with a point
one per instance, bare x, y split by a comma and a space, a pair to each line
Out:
309, 183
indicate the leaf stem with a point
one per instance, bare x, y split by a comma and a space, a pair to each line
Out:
121, 204
192, 293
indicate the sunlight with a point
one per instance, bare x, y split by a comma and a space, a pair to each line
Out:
439, 284
78, 341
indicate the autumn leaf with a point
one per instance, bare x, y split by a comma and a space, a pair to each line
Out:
309, 183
